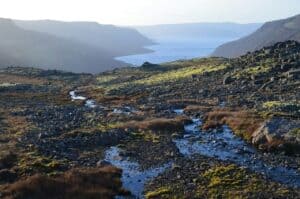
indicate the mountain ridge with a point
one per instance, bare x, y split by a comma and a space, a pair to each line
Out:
269, 34
198, 30
27, 47
114, 39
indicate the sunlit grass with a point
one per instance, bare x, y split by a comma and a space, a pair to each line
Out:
106, 78
163, 77
179, 74
252, 71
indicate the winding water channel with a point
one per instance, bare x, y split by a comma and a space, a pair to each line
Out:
88, 102
221, 144
224, 145
133, 177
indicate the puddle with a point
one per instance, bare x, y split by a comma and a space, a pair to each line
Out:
222, 104
224, 145
90, 103
8, 85
124, 110
178, 111
132, 177
76, 97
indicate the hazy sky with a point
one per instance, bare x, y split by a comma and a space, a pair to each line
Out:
134, 12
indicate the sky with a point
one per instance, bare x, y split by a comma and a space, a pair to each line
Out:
149, 12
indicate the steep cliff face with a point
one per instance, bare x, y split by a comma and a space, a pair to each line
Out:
269, 34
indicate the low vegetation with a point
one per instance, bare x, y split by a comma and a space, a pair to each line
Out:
231, 181
219, 181
252, 71
243, 123
159, 124
50, 146
291, 108
161, 192
75, 184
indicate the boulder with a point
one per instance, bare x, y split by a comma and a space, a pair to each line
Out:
275, 130
227, 79
294, 74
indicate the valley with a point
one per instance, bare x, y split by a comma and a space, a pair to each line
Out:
198, 128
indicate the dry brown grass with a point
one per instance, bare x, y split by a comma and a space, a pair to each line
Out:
15, 125
159, 124
17, 79
197, 108
57, 99
98, 94
243, 123
91, 183
212, 101
11, 128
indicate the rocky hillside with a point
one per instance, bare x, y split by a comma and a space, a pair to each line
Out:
269, 34
201, 128
266, 81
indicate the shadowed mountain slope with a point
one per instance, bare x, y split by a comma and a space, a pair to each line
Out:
269, 34
77, 47
118, 41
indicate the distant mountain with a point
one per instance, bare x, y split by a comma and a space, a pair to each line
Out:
269, 34
197, 30
118, 41
77, 47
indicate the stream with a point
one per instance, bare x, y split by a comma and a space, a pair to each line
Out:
88, 102
221, 144
133, 177
224, 145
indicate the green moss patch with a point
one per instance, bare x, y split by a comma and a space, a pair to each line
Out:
161, 193
291, 107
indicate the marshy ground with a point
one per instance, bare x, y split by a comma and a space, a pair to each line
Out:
143, 120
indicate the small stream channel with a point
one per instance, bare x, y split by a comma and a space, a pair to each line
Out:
88, 102
133, 177
221, 144
224, 145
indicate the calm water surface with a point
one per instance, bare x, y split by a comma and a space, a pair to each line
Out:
176, 49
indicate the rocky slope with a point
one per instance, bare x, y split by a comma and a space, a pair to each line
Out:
269, 34
202, 128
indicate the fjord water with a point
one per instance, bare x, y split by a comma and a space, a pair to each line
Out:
167, 50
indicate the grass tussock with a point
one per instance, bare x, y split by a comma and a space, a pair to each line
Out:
243, 123
195, 108
75, 184
159, 124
